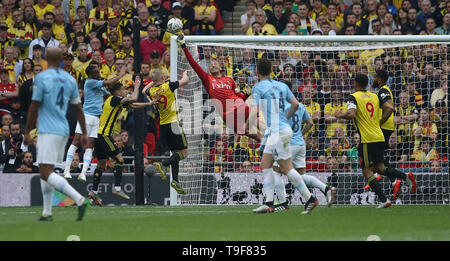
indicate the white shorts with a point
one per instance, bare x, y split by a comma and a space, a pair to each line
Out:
278, 144
298, 157
50, 148
92, 126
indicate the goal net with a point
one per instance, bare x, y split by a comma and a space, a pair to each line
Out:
224, 168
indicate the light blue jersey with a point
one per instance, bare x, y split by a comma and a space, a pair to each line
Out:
272, 97
296, 121
54, 89
93, 97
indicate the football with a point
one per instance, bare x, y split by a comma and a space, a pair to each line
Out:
150, 170
174, 25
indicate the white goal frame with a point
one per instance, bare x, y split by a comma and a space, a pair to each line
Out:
174, 50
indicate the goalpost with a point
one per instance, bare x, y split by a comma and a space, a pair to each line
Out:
319, 70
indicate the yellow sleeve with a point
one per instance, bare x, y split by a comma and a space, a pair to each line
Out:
327, 109
434, 128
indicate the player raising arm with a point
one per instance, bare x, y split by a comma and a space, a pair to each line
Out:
231, 104
54, 89
364, 109
162, 94
94, 90
104, 144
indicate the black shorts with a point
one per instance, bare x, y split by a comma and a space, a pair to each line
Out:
371, 153
104, 147
173, 134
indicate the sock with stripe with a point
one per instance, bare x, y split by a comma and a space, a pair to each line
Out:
269, 185
175, 170
313, 182
69, 158
97, 177
376, 187
87, 157
280, 189
64, 187
118, 169
299, 184
47, 194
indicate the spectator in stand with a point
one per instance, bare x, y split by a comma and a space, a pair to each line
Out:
151, 43
27, 72
337, 103
266, 29
361, 23
333, 164
344, 143
312, 107
41, 8
127, 47
26, 166
99, 15
376, 28
440, 93
82, 61
428, 82
70, 8
424, 128
264, 5
75, 166
37, 57
5, 144
67, 66
20, 32
430, 26
246, 167
402, 18
326, 29
317, 9
404, 117
426, 152
425, 11
205, 16
45, 41
415, 98
335, 19
17, 113
343, 81
278, 19
445, 28
334, 150
221, 158
8, 90
6, 119
144, 20
248, 18
439, 116
388, 24
305, 21
435, 166
159, 13
413, 24
127, 149
155, 57
313, 148
352, 153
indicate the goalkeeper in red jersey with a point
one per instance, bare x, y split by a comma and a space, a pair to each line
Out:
221, 88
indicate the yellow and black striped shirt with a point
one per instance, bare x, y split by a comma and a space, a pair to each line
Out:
108, 120
385, 95
165, 95
3, 45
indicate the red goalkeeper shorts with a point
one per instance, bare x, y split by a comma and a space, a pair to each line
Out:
236, 118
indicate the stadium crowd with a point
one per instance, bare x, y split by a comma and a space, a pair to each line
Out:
115, 33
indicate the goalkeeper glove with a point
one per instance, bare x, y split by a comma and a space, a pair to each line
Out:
181, 41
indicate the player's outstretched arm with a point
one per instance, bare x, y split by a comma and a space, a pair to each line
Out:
31, 120
184, 80
307, 126
348, 115
197, 68
113, 80
148, 86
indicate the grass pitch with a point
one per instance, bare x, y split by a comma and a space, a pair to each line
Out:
227, 223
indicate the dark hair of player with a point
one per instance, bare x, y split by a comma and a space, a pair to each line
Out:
92, 66
115, 87
383, 75
361, 80
264, 67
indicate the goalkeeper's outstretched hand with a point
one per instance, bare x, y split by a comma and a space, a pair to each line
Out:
181, 41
